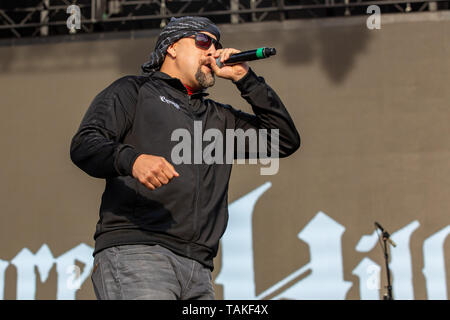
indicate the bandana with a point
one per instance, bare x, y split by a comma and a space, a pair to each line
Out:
176, 29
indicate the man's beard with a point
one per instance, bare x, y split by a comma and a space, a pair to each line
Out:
205, 80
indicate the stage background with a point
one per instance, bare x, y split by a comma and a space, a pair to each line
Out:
371, 106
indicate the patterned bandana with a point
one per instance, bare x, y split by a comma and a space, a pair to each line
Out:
176, 29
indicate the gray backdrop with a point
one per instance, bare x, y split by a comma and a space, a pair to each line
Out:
371, 107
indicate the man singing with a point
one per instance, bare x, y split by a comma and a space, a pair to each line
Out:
160, 221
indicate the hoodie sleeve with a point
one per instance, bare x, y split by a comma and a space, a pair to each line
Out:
270, 113
97, 146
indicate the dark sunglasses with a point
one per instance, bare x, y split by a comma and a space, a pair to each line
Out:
204, 41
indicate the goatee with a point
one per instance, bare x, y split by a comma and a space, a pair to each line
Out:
205, 80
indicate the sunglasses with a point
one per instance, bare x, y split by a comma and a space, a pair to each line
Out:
204, 41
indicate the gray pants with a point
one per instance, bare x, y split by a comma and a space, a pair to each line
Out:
149, 272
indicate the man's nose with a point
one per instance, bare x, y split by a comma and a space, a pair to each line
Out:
211, 50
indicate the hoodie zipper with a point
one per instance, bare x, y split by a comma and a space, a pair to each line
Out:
197, 184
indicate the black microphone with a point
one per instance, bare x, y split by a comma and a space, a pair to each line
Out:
385, 234
255, 54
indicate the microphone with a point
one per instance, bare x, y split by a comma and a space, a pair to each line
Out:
255, 54
385, 234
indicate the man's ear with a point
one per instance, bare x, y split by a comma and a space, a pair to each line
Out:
172, 51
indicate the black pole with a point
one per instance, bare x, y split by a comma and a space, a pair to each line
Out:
387, 296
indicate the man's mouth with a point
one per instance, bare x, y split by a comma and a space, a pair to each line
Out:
208, 66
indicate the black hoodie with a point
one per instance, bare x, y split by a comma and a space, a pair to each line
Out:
137, 115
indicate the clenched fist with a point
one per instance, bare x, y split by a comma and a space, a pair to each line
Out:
233, 72
153, 171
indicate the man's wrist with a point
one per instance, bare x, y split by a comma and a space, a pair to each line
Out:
249, 82
241, 75
125, 159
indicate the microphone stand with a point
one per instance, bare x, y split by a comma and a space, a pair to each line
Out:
386, 237
387, 296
